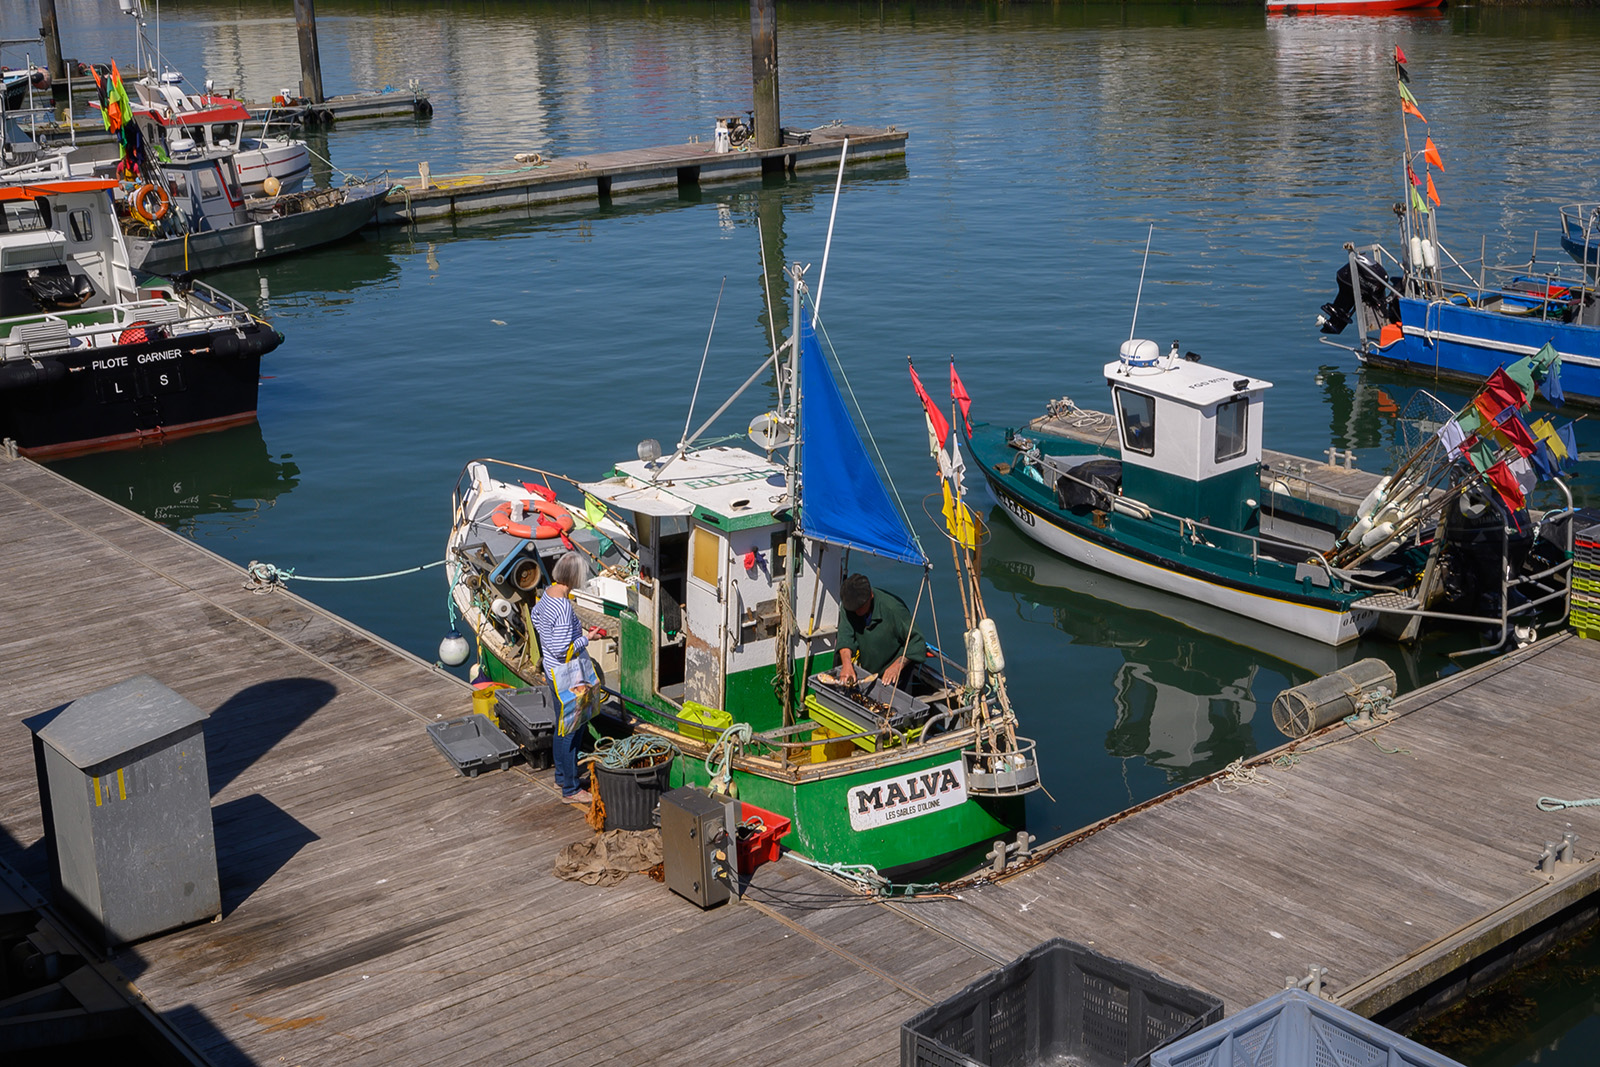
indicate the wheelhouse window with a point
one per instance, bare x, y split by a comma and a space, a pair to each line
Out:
210, 188
82, 224
1232, 428
21, 216
1137, 414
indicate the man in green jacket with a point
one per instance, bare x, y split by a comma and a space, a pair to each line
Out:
876, 634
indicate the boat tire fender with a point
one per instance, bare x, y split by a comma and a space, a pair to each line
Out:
149, 202
22, 373
554, 520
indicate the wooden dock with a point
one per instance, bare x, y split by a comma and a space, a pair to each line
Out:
379, 909
602, 175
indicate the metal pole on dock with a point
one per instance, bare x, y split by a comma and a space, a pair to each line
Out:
764, 71
305, 21
52, 40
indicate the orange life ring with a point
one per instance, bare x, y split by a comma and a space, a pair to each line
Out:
559, 524
140, 206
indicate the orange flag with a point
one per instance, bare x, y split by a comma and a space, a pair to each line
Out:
1411, 109
1431, 154
1433, 194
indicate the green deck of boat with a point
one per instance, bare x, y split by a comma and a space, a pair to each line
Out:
379, 909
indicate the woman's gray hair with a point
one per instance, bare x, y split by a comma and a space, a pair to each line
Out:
571, 570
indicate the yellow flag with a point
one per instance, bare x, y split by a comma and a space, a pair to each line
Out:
593, 509
1546, 432
960, 521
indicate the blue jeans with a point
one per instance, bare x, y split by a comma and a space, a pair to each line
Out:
565, 757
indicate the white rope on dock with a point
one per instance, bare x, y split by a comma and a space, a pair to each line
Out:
1236, 776
265, 577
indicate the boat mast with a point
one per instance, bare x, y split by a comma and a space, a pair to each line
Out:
788, 615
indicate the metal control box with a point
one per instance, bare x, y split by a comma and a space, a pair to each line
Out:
694, 828
127, 810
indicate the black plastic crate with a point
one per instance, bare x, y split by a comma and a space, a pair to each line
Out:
528, 717
1060, 1003
473, 744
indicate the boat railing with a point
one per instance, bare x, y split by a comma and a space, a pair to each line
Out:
1190, 530
1530, 603
1477, 283
1580, 225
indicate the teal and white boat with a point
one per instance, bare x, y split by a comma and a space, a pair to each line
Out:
1169, 491
719, 579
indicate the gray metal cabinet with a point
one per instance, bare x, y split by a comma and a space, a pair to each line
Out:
127, 810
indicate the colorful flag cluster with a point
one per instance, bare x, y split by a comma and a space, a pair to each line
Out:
1430, 152
1491, 435
116, 111
963, 524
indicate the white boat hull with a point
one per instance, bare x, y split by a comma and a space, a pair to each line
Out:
1320, 624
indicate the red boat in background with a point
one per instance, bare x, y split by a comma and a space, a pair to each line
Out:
1347, 7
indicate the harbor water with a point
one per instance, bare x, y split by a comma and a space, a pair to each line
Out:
1046, 142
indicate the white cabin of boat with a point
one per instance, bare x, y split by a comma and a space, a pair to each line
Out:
713, 529
1190, 435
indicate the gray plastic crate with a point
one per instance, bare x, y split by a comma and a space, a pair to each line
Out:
1296, 1029
528, 717
473, 744
904, 709
1060, 1003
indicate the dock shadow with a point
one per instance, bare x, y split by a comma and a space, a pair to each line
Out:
251, 722
254, 838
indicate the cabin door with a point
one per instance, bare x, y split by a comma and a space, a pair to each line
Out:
705, 618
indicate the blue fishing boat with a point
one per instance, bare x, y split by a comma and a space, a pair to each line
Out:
1424, 310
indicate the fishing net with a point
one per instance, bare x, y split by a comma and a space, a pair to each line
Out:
1417, 425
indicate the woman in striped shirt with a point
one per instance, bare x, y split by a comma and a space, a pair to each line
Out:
562, 637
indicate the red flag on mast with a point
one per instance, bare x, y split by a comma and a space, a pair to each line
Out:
958, 393
936, 420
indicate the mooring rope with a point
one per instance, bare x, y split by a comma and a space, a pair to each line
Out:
1236, 775
262, 577
1555, 804
635, 750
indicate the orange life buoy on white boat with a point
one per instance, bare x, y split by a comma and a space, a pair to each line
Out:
554, 520
149, 202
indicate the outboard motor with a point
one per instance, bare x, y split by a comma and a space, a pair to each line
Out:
1375, 293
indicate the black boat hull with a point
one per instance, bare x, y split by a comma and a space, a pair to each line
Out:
123, 395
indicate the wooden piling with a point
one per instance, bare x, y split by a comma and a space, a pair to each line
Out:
305, 21
50, 31
764, 71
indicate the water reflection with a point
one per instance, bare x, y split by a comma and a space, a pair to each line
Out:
220, 481
1194, 679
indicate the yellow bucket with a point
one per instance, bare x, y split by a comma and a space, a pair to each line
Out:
484, 699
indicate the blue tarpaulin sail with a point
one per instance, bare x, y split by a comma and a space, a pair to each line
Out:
842, 500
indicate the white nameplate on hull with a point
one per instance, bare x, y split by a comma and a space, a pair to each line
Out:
907, 796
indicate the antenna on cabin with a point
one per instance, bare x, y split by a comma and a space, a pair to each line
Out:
1140, 295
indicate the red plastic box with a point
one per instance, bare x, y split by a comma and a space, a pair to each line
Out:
758, 848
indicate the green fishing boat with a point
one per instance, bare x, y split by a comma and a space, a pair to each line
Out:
718, 575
